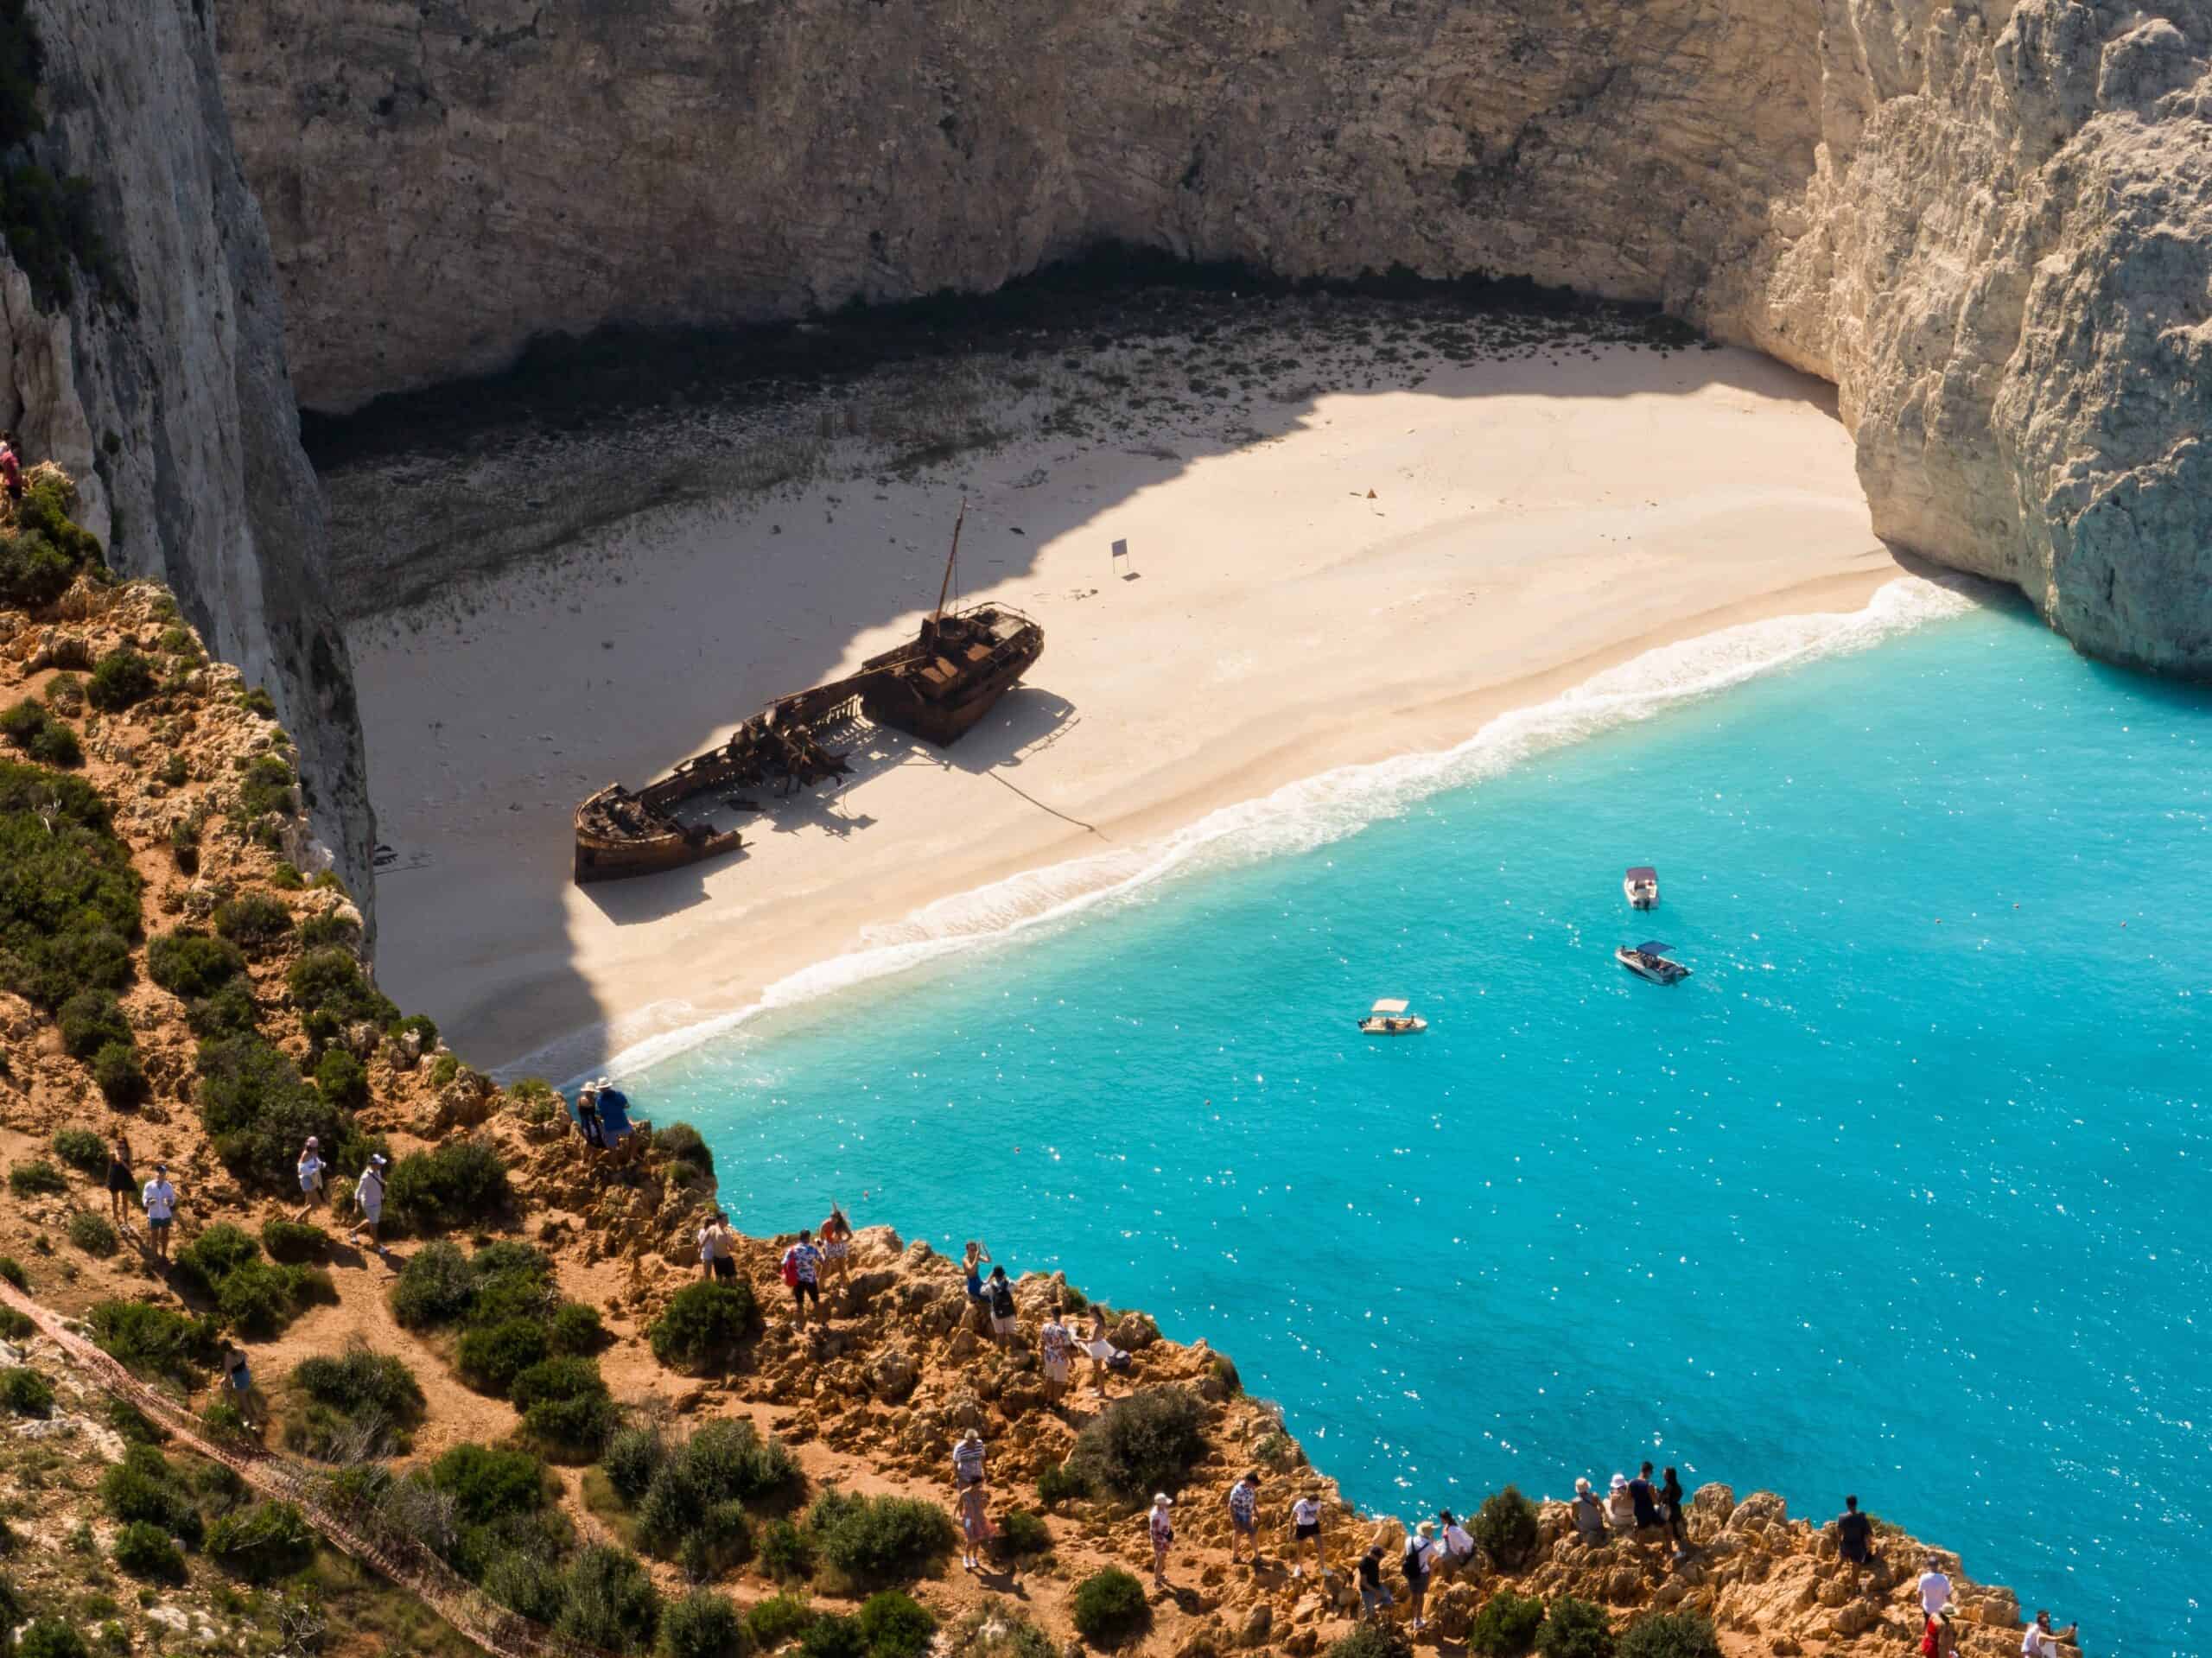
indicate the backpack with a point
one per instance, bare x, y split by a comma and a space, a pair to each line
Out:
1118, 1362
791, 1267
1003, 1301
1417, 1561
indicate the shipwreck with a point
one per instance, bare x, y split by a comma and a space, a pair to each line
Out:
937, 688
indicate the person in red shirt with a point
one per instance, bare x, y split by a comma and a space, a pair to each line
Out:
12, 469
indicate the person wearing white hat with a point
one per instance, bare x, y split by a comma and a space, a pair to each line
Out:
1161, 1526
1620, 1507
588, 1114
310, 1176
1420, 1551
368, 1191
1589, 1513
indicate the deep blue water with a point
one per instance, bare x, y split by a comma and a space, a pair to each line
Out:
1905, 1193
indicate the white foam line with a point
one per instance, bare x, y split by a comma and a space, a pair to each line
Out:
1294, 818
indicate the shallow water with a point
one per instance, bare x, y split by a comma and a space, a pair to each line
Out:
1904, 1193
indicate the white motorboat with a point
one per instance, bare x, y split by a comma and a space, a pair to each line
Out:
1649, 960
1641, 884
1388, 1017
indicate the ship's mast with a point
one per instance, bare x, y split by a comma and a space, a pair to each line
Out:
945, 585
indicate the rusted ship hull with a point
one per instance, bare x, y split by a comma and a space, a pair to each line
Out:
935, 689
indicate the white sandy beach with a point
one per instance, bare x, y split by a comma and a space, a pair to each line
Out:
1372, 572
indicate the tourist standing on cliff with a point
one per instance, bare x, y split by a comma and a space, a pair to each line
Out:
310, 1169
1589, 1513
160, 1198
803, 1271
836, 1244
1458, 1551
1306, 1527
11, 467
1854, 1538
1161, 1525
1056, 1346
1418, 1547
1678, 1523
121, 1185
1006, 1318
587, 1119
1244, 1516
967, 1460
1935, 1588
368, 1191
1099, 1350
1643, 1498
974, 1504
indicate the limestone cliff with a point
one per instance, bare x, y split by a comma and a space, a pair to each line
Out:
162, 387
1990, 224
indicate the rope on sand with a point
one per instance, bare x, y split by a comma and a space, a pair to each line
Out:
355, 1529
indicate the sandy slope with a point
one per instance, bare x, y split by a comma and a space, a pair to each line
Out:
1530, 521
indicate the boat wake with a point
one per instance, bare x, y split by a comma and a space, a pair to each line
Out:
1295, 818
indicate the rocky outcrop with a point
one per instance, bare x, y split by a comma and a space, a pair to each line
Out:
163, 389
1990, 224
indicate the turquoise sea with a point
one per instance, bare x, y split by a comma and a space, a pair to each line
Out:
1907, 1191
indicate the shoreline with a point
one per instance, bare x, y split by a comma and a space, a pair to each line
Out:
1535, 518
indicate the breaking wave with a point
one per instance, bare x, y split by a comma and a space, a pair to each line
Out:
1295, 818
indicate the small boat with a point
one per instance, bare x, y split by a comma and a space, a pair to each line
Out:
1389, 1018
1649, 960
1640, 884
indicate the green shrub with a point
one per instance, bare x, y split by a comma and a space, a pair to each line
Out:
230, 1012
131, 1425
69, 897
1505, 1526
342, 1080
895, 1625
90, 1021
174, 773
783, 1552
27, 1393
633, 1458
1371, 1641
703, 1326
1506, 1627
680, 1142
698, 1491
608, 1600
489, 1483
12, 1270
192, 964
266, 787
778, 1619
435, 1288
460, 1183
1669, 1634
258, 701
703, 1625
423, 1025
870, 1542
144, 1487
329, 932
490, 1358
530, 1583
262, 1543
119, 679
359, 1381
93, 1234
153, 1340
1575, 1629
1109, 1607
260, 1299
36, 1178
117, 1074
35, 730
833, 1635
259, 1113
253, 919
50, 1637
566, 1410
294, 1242
330, 982
1142, 1443
218, 1251
576, 1328
14, 1327
444, 1070
1023, 1532
144, 1550
1058, 1484
81, 1149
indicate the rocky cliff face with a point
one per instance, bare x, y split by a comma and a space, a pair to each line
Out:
1990, 224
164, 390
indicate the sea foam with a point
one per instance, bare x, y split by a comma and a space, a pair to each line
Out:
1296, 817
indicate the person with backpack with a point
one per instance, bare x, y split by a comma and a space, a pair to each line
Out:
1244, 1516
801, 1274
1419, 1549
1854, 1538
1306, 1527
1006, 1318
